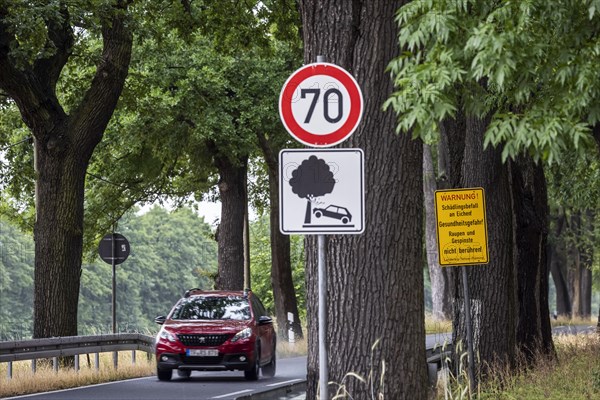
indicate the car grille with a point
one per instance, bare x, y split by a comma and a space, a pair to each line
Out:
202, 340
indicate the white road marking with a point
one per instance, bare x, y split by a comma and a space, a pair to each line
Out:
284, 383
232, 394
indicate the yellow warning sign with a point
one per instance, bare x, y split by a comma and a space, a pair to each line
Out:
461, 226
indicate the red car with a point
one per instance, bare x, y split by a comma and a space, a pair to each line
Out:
216, 331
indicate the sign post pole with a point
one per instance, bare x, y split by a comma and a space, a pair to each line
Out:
114, 284
467, 302
323, 370
321, 105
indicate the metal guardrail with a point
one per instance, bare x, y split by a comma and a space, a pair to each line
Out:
54, 348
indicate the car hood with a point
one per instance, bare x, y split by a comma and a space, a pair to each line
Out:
208, 327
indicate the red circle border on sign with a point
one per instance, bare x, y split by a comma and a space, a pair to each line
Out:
301, 134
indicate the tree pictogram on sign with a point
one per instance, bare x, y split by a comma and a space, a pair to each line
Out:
310, 180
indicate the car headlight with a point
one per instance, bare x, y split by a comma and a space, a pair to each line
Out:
163, 334
244, 334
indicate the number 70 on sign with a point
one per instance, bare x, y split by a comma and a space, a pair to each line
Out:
321, 105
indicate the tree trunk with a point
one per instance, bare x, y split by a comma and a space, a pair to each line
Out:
58, 235
230, 237
530, 212
284, 293
556, 252
63, 147
563, 299
587, 261
439, 283
375, 280
451, 147
493, 286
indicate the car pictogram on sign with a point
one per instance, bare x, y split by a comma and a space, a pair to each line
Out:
334, 211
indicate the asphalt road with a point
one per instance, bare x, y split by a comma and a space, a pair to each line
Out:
215, 385
201, 386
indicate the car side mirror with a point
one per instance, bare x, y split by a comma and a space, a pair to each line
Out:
264, 320
160, 319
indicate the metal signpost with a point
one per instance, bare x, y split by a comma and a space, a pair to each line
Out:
462, 240
114, 249
321, 105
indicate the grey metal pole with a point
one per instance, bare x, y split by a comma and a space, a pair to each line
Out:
467, 302
323, 371
114, 286
114, 297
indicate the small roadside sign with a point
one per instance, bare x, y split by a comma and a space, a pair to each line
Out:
321, 104
114, 247
321, 191
461, 226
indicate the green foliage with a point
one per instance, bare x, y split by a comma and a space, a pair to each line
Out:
532, 63
16, 282
170, 253
260, 265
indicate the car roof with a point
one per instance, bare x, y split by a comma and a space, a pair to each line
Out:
215, 293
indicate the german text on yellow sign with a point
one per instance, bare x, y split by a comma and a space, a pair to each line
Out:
461, 226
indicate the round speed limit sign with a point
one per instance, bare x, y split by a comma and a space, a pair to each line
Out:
320, 105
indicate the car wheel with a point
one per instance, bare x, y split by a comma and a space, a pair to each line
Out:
318, 214
184, 373
164, 374
252, 373
269, 370
345, 220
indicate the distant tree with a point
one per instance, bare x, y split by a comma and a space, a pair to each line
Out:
310, 180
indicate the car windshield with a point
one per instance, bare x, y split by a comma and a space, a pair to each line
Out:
213, 308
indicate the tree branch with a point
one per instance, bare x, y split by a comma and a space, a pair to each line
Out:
93, 114
60, 34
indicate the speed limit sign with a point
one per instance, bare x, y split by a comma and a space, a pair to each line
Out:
321, 105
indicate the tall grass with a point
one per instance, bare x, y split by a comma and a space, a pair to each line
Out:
573, 375
24, 381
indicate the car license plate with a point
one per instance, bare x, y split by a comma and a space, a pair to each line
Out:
202, 352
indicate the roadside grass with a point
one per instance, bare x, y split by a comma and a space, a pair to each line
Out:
574, 375
433, 325
24, 381
564, 320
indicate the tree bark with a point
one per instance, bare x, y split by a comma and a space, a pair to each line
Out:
558, 263
63, 145
530, 230
439, 282
563, 302
230, 237
284, 293
493, 286
375, 280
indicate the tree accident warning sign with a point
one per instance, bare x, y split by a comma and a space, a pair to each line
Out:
461, 226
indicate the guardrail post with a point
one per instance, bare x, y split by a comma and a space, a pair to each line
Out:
115, 359
33, 365
97, 361
76, 362
133, 357
55, 364
10, 371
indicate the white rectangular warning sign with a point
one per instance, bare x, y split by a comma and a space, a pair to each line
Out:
321, 191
